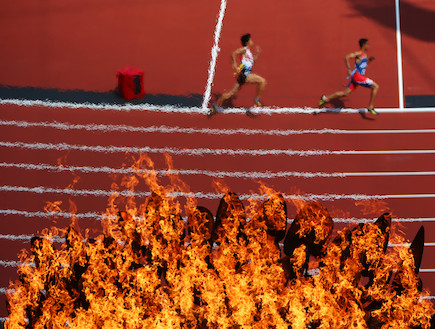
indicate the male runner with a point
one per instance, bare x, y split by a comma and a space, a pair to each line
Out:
243, 72
357, 76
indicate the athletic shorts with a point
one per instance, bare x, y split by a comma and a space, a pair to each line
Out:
241, 78
359, 80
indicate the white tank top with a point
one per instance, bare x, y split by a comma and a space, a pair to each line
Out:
248, 60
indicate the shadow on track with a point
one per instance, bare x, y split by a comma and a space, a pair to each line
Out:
416, 22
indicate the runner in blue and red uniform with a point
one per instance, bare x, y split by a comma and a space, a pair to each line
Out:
243, 72
357, 76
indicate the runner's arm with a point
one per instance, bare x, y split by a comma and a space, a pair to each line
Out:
234, 54
347, 59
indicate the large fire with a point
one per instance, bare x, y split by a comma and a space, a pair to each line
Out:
238, 269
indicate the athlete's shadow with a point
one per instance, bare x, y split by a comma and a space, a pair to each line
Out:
251, 115
230, 104
338, 106
363, 114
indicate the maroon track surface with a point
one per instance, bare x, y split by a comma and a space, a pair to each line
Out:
60, 45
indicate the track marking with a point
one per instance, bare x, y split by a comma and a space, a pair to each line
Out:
201, 151
214, 54
27, 237
370, 220
427, 244
211, 173
13, 263
210, 195
206, 131
4, 291
399, 56
56, 105
97, 216
45, 214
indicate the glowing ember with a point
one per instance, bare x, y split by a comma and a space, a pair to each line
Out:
150, 269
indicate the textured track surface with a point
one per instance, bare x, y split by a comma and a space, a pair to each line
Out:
357, 161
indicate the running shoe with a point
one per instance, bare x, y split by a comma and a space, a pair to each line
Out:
213, 110
372, 111
258, 102
322, 101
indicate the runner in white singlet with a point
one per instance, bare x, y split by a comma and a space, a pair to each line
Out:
243, 73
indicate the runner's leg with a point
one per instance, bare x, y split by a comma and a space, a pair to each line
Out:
260, 81
375, 89
339, 94
229, 94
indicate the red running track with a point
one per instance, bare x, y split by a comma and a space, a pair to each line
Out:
62, 46
403, 194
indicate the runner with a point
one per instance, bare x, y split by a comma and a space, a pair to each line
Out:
357, 76
243, 73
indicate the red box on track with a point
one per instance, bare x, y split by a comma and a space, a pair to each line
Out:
130, 83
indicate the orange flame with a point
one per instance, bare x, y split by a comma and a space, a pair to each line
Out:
150, 269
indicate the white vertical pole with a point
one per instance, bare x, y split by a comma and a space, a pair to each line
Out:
399, 57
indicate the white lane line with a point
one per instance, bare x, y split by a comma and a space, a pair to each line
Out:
210, 195
97, 216
68, 191
214, 54
210, 173
14, 237
26, 238
399, 56
427, 244
202, 151
371, 220
45, 214
13, 263
4, 291
206, 131
56, 105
